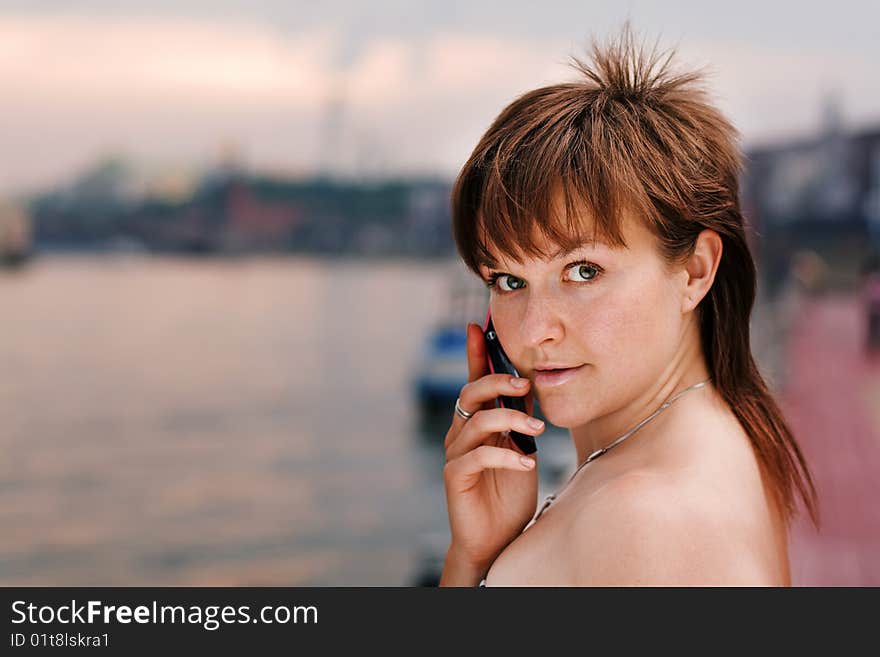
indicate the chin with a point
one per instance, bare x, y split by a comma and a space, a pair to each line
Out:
563, 412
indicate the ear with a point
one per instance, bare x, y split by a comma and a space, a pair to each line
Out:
701, 268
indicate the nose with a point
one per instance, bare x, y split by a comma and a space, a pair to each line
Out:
541, 321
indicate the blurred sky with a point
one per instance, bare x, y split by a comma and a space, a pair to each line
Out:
386, 86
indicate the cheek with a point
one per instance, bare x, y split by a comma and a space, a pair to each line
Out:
631, 331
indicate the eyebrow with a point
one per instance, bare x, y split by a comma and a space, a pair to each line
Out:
589, 243
559, 253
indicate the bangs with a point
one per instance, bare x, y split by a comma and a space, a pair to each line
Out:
549, 175
569, 163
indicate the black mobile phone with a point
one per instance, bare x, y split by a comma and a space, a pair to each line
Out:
499, 363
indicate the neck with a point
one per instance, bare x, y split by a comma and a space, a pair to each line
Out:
686, 368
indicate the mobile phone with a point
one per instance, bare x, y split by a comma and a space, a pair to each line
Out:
499, 363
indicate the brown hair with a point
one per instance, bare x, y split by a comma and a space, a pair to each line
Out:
633, 136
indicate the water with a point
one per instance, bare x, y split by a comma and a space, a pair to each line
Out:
220, 422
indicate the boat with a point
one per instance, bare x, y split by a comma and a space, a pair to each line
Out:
442, 367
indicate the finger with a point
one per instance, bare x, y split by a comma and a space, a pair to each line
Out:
481, 394
485, 423
478, 365
476, 352
465, 468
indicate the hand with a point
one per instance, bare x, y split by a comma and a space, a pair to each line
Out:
490, 493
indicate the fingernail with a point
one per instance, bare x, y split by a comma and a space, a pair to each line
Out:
534, 423
526, 461
518, 382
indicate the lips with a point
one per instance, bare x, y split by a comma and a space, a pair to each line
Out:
555, 377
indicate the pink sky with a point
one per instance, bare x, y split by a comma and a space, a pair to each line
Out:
174, 91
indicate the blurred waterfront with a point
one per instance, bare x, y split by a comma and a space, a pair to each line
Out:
178, 421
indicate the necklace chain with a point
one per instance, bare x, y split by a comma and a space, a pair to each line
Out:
600, 452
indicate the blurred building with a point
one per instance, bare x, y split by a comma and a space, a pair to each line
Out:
232, 211
15, 234
820, 193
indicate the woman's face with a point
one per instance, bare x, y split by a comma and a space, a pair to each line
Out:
614, 313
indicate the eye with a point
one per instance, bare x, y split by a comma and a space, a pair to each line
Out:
512, 284
585, 271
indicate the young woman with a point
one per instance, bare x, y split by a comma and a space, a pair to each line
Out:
604, 216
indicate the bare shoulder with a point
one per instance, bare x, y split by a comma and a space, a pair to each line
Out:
644, 529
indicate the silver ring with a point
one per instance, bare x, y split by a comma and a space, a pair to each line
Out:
461, 412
